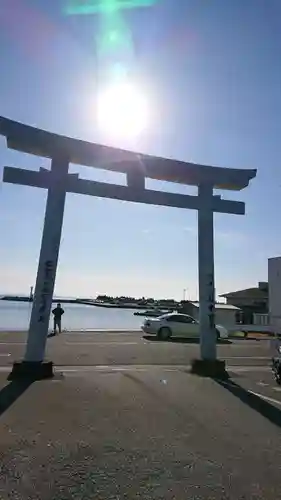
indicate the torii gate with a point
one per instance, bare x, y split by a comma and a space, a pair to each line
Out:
62, 151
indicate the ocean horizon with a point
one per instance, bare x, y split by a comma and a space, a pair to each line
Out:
16, 316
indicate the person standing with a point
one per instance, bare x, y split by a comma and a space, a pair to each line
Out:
57, 312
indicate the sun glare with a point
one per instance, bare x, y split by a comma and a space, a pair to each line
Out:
122, 110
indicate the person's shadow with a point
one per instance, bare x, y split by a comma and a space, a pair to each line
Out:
182, 340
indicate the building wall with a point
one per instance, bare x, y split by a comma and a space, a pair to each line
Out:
274, 290
261, 319
253, 302
188, 308
225, 317
194, 312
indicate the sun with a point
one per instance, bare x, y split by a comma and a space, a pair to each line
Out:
122, 110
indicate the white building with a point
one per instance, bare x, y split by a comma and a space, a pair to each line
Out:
225, 314
274, 293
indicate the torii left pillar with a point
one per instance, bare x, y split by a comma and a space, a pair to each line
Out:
34, 366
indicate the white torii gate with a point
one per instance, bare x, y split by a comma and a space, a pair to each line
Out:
62, 151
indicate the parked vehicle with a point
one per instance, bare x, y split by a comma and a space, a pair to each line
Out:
276, 360
177, 325
276, 370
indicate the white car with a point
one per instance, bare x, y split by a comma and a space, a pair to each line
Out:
177, 325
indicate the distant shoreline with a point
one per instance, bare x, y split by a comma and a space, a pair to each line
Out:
86, 302
20, 298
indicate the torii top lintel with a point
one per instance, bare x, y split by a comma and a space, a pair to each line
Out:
38, 142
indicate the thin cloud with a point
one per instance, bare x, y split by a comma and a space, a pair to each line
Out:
223, 236
190, 229
231, 236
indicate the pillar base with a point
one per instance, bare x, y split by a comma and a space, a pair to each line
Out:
209, 368
32, 370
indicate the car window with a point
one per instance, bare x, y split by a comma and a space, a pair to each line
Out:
188, 319
174, 317
179, 318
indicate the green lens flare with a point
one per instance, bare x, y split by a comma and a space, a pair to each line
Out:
114, 41
113, 34
80, 7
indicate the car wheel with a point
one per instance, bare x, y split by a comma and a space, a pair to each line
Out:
218, 335
164, 333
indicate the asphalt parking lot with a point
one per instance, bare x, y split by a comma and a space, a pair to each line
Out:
127, 348
124, 419
98, 350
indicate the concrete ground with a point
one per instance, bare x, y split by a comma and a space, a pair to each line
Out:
127, 421
118, 348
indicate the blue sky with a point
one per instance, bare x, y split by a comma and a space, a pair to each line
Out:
212, 72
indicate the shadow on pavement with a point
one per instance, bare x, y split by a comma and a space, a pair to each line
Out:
258, 404
182, 340
11, 392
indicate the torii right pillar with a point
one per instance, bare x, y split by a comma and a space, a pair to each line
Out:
208, 364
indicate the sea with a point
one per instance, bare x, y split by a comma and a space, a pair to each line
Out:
16, 316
